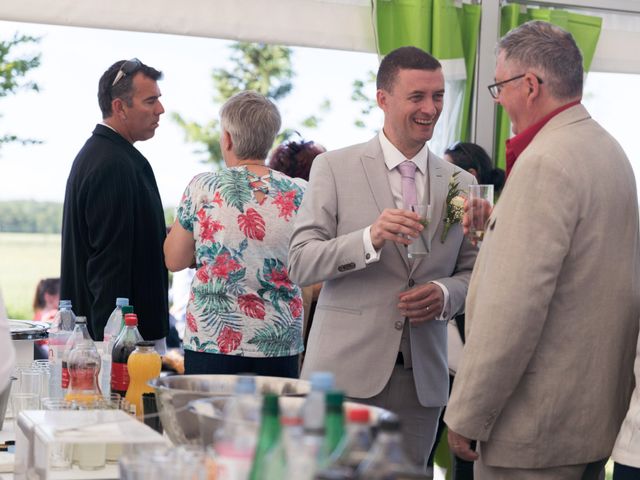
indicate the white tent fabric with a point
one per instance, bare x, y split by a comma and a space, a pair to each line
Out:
337, 24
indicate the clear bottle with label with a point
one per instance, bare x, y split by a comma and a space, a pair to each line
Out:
234, 443
59, 332
125, 344
79, 334
83, 363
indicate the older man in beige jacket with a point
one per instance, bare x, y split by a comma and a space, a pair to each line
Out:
554, 297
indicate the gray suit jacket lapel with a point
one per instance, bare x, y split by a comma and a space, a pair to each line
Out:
378, 178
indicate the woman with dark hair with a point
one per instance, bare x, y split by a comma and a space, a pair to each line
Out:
46, 298
474, 159
294, 158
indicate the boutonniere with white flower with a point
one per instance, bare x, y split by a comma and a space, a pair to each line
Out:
453, 207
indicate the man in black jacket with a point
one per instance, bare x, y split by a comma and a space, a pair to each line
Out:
113, 224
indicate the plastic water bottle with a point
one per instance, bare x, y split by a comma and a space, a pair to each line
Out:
59, 332
111, 331
312, 456
83, 362
234, 443
79, 335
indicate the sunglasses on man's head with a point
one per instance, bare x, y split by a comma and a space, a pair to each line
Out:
127, 68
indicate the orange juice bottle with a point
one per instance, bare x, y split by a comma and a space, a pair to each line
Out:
144, 364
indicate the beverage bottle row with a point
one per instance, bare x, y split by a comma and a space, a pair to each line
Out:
312, 443
77, 364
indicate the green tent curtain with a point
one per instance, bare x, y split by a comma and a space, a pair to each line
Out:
450, 34
584, 28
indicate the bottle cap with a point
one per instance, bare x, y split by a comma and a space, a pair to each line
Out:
131, 320
122, 302
64, 303
358, 415
245, 384
334, 399
146, 343
127, 309
81, 320
322, 381
389, 422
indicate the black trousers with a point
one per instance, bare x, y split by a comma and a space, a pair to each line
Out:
215, 363
622, 472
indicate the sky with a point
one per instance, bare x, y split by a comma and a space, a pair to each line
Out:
65, 111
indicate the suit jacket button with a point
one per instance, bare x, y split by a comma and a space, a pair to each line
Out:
367, 256
398, 325
412, 282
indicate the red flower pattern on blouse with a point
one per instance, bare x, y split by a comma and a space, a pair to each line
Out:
224, 265
191, 323
208, 227
252, 305
252, 224
202, 274
217, 199
229, 339
280, 278
286, 203
295, 305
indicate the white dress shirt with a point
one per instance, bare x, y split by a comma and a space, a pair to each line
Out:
392, 158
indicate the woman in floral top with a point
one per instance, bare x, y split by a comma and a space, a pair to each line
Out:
244, 314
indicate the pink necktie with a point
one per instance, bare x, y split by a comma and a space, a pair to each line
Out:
408, 173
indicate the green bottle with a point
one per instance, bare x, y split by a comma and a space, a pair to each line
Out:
268, 437
334, 423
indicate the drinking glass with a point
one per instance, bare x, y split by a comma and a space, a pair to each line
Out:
480, 205
61, 454
23, 401
418, 248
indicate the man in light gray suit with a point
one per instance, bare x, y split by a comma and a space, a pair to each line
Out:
380, 322
554, 300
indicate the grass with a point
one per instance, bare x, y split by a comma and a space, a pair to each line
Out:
25, 258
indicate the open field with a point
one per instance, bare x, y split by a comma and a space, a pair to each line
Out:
25, 258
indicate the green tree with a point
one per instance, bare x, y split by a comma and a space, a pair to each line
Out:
266, 69
367, 102
15, 64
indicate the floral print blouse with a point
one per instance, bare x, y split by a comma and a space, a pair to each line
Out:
242, 301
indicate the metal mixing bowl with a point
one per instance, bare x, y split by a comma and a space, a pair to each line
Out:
174, 393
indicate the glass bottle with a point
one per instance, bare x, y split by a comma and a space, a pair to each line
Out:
353, 448
79, 334
387, 459
144, 364
268, 437
334, 422
125, 344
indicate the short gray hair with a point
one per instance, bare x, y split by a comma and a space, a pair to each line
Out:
253, 122
551, 51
